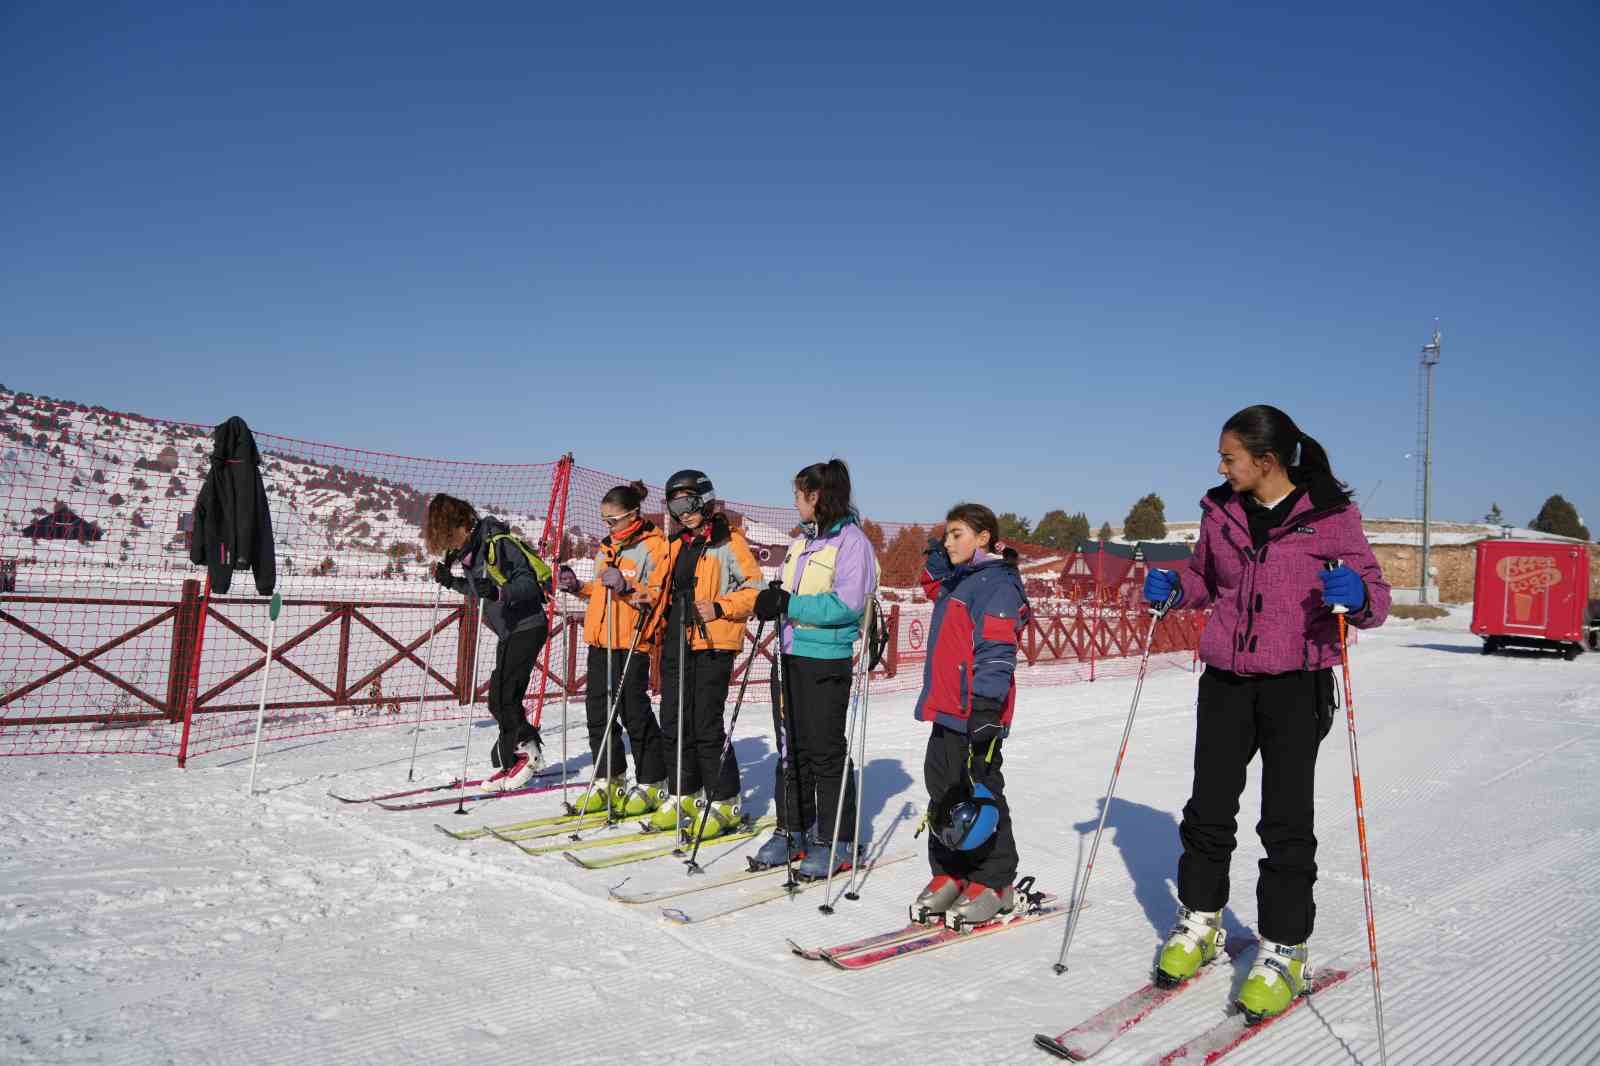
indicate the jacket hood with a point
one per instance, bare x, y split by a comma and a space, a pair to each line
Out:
232, 441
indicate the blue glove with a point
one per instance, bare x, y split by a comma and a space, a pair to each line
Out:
1343, 587
1158, 585
938, 564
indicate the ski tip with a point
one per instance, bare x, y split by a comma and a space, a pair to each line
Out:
675, 916
1052, 1045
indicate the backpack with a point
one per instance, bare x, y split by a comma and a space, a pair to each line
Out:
541, 569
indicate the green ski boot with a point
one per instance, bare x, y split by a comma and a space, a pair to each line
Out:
723, 817
665, 817
644, 799
1280, 973
594, 800
1193, 943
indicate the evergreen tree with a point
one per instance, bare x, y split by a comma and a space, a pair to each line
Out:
1057, 529
1014, 528
1561, 518
1147, 520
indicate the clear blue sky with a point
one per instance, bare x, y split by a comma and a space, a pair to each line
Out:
1032, 255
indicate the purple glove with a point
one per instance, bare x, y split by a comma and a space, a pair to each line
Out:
612, 579
567, 581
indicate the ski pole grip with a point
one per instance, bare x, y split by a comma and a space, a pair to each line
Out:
1334, 564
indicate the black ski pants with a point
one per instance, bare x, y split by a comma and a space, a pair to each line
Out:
811, 737
633, 713
993, 863
706, 675
1284, 717
514, 660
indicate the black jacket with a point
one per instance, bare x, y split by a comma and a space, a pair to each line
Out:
232, 526
520, 602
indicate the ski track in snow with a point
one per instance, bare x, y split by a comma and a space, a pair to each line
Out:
151, 915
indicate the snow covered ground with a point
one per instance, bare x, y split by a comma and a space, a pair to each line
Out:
149, 914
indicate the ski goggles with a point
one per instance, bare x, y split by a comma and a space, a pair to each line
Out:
679, 506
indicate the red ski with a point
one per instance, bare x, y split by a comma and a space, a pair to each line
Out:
1235, 1029
474, 797
423, 790
1089, 1038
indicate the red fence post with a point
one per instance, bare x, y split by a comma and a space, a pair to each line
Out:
341, 685
180, 660
466, 652
192, 682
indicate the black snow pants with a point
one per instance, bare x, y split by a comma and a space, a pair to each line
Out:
1284, 717
633, 713
514, 660
815, 708
706, 676
993, 863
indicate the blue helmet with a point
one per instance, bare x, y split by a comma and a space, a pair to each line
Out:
966, 817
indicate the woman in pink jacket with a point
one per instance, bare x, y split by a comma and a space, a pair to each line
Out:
1280, 548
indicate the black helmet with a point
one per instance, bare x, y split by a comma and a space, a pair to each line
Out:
695, 488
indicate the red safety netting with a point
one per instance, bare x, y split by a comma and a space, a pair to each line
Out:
112, 642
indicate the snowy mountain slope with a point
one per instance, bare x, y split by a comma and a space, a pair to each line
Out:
135, 478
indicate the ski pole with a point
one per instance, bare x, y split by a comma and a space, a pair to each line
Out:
844, 772
851, 890
568, 657
611, 643
1361, 822
727, 746
786, 756
422, 687
605, 740
1157, 612
472, 698
261, 707
683, 630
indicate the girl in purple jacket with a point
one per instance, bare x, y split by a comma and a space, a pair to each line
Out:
1281, 546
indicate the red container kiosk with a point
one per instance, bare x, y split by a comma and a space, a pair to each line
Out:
1531, 594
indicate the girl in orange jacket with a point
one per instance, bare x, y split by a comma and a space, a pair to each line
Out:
630, 572
712, 583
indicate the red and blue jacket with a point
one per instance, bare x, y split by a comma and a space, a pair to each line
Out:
979, 609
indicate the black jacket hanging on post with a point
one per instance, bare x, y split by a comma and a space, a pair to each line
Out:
232, 527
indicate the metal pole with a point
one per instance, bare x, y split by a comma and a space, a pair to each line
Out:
266, 668
1430, 359
856, 724
1157, 612
422, 686
611, 644
472, 698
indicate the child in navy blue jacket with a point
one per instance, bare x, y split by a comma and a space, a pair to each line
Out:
968, 694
